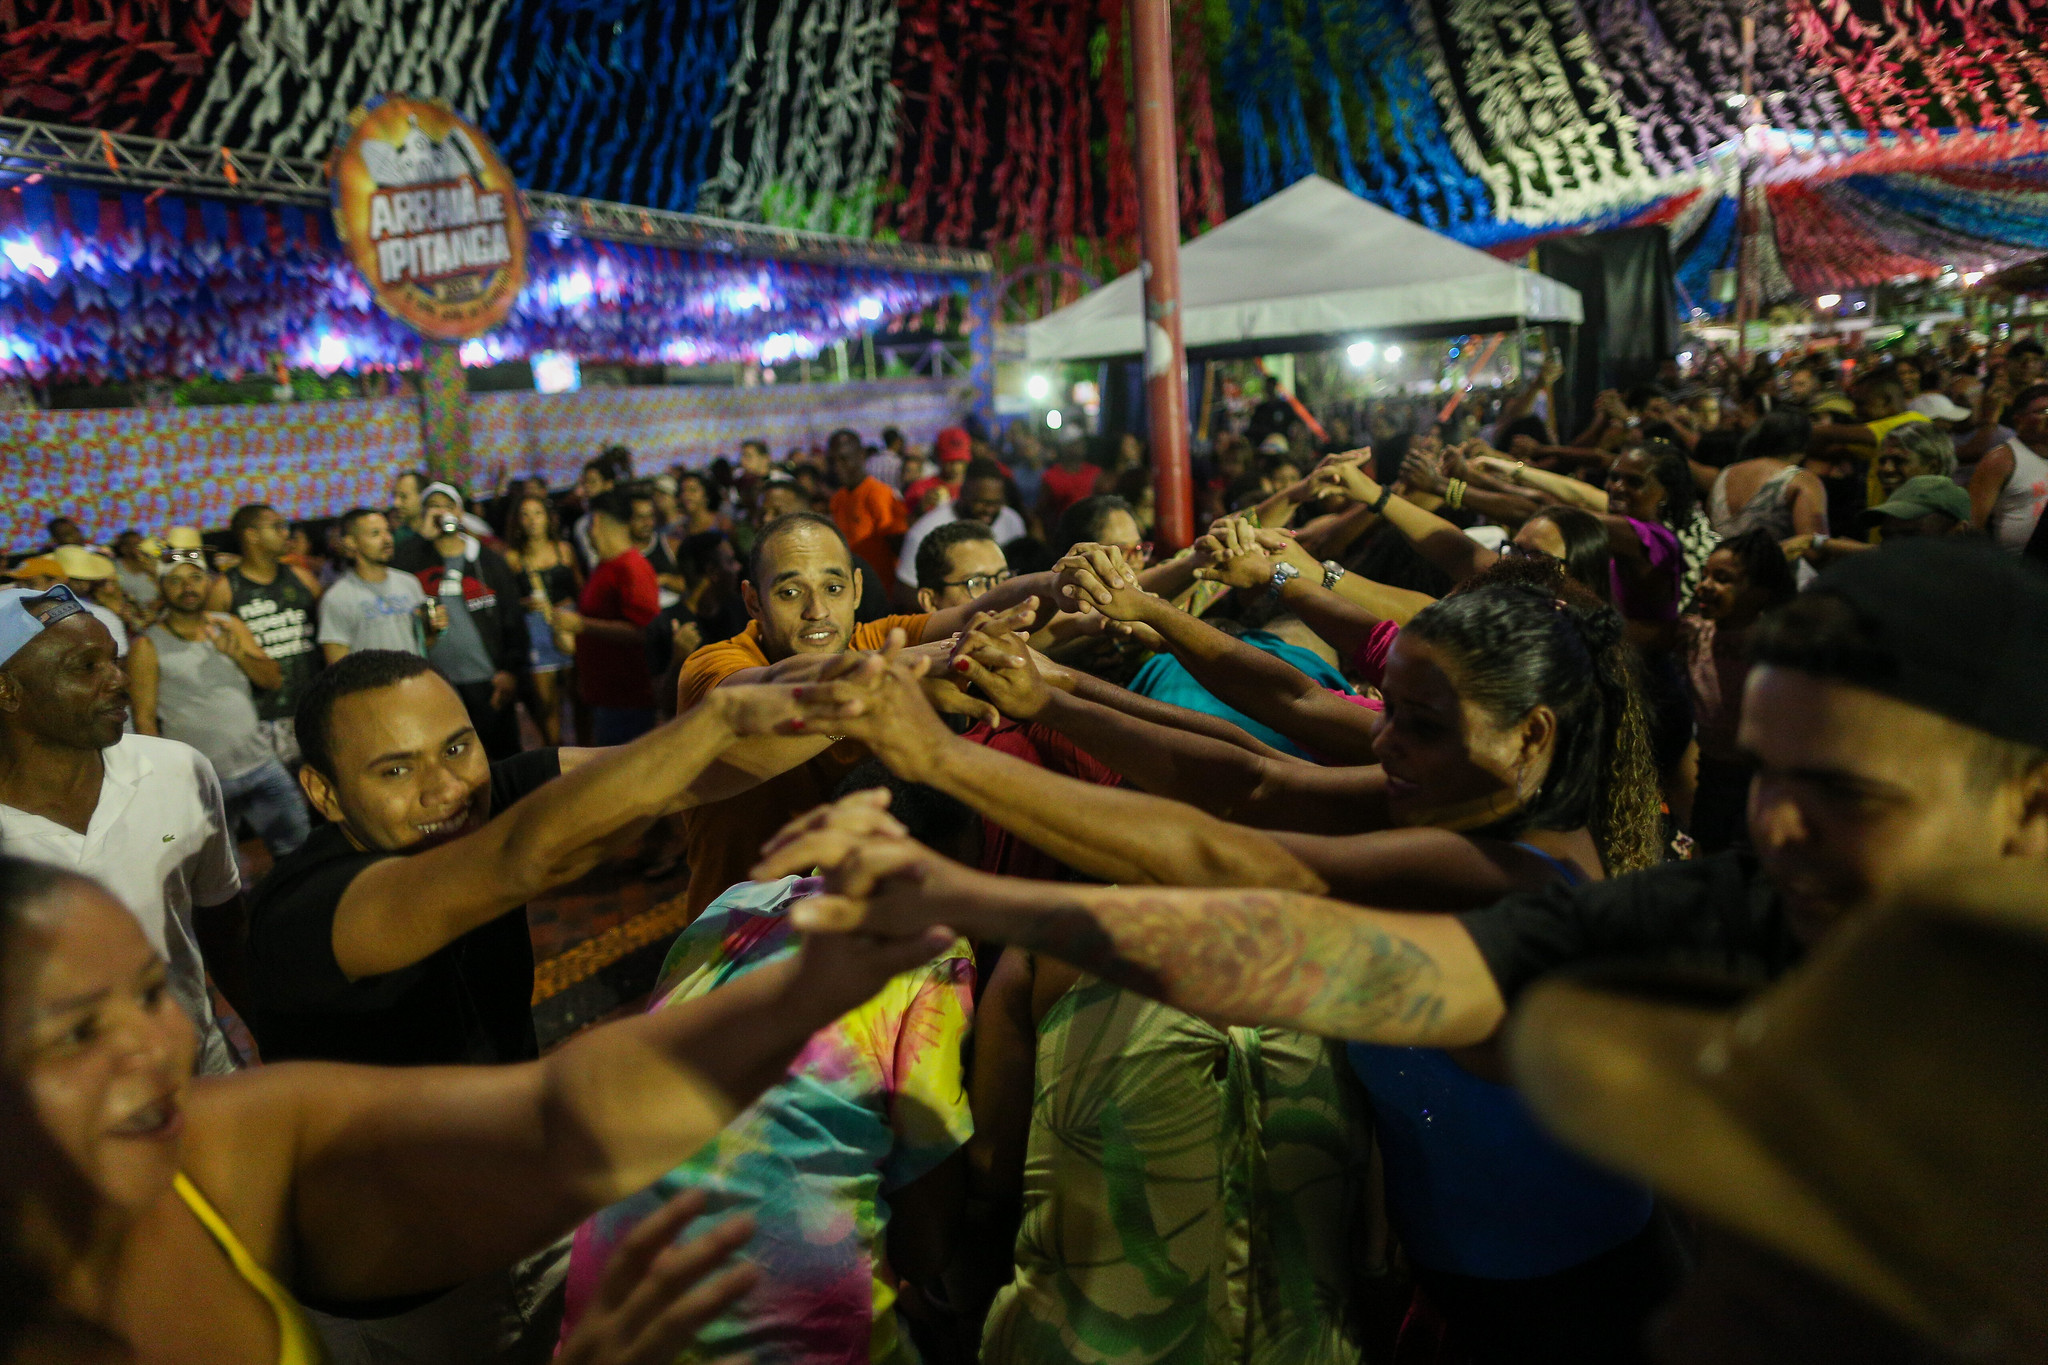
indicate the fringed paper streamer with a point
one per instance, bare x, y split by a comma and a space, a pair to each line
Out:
1922, 66
1707, 35
1041, 186
125, 65
1823, 251
1201, 166
1910, 236
1412, 168
1713, 250
612, 101
299, 66
1522, 68
2019, 216
808, 126
1259, 77
1678, 123
127, 287
1773, 283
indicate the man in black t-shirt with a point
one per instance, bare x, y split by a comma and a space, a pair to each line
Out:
1898, 725
397, 935
280, 602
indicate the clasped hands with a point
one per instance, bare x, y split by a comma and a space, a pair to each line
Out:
1239, 555
890, 699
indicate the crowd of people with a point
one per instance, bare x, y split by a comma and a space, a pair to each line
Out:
1503, 895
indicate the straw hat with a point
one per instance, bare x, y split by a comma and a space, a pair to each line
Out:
38, 566
1879, 1116
79, 562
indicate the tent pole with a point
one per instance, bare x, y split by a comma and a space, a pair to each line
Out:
1166, 380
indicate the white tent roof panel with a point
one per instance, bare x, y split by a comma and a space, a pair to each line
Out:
1314, 261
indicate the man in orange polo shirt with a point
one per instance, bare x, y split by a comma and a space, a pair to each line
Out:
868, 512
801, 589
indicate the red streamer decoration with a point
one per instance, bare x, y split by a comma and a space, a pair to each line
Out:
1823, 251
1001, 119
122, 65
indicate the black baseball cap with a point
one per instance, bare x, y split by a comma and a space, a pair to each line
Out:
1949, 625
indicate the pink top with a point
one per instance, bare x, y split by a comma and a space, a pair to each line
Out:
1369, 660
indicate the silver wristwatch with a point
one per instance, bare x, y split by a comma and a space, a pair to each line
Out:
1283, 574
1332, 572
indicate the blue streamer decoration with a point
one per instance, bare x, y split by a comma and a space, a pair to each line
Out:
612, 99
1257, 177
1712, 249
1362, 56
2021, 218
1333, 96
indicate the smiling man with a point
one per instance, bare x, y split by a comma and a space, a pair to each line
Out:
397, 934
141, 814
802, 589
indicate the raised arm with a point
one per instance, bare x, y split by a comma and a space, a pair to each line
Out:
1984, 422
1105, 832
1268, 791
1435, 539
408, 1179
142, 684
1987, 481
231, 636
1559, 487
400, 910
1345, 615
1269, 690
1234, 956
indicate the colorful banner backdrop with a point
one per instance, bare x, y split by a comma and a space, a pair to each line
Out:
149, 469
1007, 123
430, 216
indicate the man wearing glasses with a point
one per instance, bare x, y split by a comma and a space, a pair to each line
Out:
983, 498
957, 563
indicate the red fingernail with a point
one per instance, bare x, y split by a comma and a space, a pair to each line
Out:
797, 724
959, 665
799, 692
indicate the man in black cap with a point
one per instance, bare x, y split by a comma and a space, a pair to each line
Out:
1897, 724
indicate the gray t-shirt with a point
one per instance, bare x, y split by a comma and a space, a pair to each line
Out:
140, 587
373, 615
459, 654
203, 699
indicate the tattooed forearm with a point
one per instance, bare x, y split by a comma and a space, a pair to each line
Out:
1274, 958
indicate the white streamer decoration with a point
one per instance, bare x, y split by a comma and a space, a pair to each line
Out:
299, 66
814, 114
1559, 145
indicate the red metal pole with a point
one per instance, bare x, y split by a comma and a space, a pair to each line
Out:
1166, 371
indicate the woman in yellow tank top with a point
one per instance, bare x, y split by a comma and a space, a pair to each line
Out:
213, 1204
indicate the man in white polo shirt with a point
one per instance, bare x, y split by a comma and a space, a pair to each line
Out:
142, 815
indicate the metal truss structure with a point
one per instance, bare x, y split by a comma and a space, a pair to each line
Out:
30, 151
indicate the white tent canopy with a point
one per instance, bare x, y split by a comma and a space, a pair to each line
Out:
1313, 264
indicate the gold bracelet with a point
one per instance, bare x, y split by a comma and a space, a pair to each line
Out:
1454, 493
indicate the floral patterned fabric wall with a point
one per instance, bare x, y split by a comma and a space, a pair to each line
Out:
154, 468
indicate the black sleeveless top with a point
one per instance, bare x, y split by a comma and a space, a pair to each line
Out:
285, 618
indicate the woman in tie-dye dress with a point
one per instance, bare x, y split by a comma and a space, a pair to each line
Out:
864, 1127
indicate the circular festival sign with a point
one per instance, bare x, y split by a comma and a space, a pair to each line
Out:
431, 216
